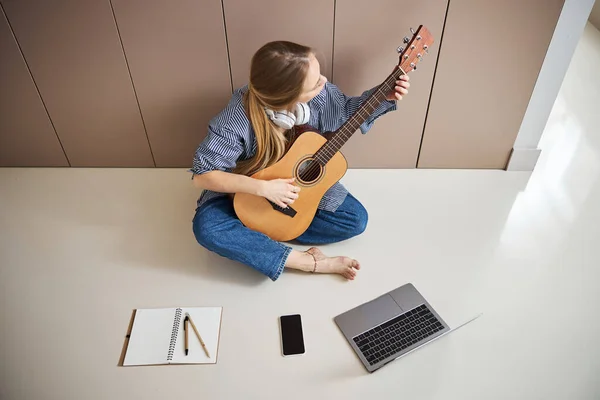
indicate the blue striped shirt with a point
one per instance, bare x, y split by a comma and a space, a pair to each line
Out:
230, 135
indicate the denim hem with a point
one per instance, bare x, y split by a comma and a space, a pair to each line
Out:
286, 252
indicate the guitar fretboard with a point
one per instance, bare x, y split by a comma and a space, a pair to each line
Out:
324, 154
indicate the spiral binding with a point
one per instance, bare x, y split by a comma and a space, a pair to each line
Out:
174, 333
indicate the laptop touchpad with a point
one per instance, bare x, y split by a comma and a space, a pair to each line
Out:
368, 315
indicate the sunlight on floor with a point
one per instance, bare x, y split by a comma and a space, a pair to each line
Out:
569, 166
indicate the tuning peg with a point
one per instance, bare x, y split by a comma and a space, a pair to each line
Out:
413, 66
400, 49
406, 39
412, 30
418, 37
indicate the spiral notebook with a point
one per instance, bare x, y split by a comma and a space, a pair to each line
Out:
157, 336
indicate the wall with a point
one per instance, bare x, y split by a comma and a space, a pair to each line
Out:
489, 63
364, 57
133, 83
23, 117
558, 57
595, 15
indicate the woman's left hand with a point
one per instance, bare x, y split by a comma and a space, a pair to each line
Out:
401, 88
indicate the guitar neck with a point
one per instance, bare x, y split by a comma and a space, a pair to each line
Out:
366, 109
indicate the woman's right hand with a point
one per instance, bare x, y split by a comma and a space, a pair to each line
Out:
280, 191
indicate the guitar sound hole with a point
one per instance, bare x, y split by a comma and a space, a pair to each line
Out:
309, 171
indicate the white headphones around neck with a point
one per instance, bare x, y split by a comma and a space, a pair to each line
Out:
286, 119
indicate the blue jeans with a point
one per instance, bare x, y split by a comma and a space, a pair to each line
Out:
218, 229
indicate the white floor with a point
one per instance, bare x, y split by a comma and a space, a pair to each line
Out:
81, 248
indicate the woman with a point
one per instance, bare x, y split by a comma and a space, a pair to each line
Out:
250, 134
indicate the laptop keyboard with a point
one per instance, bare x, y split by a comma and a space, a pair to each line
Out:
397, 334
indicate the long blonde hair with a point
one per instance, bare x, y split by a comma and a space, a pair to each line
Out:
277, 73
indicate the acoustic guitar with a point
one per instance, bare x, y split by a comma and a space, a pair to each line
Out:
316, 162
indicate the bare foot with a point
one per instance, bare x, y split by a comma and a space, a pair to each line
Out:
344, 266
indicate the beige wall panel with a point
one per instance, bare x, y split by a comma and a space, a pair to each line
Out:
177, 55
250, 24
366, 37
490, 59
26, 134
76, 59
595, 15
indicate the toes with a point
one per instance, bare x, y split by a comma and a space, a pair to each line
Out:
350, 274
356, 264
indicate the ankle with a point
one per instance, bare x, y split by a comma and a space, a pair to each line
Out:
314, 260
300, 260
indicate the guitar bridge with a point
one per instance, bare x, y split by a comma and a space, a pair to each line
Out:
289, 211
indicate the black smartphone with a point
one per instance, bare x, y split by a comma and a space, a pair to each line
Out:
292, 338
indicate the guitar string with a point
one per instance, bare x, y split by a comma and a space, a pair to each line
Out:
325, 148
315, 166
340, 138
345, 133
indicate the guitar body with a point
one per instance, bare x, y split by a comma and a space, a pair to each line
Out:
259, 214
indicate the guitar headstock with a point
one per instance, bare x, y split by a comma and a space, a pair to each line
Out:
416, 48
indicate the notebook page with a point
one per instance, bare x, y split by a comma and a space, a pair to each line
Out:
208, 323
150, 337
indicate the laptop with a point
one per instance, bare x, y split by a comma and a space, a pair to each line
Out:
391, 326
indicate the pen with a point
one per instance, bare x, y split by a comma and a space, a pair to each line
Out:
187, 317
185, 330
